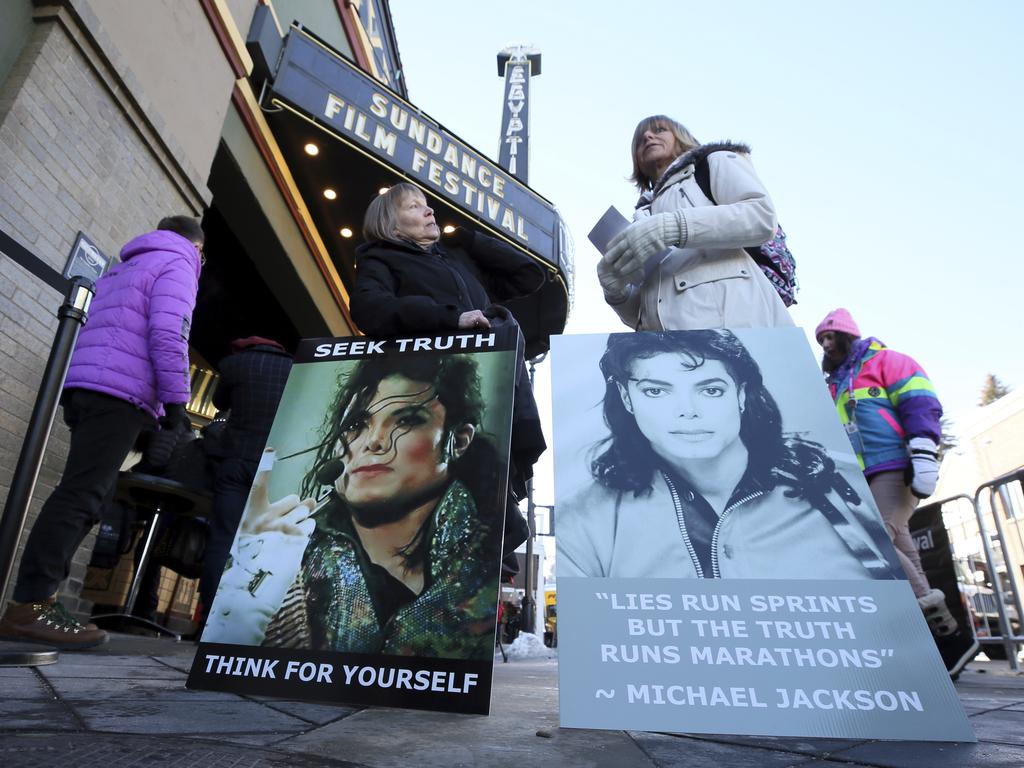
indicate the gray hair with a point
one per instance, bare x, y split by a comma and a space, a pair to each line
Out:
381, 219
684, 143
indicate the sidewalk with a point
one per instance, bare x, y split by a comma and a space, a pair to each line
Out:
126, 705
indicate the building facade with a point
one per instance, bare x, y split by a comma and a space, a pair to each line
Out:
990, 446
114, 114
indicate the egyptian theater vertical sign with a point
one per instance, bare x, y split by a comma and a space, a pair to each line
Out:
721, 565
514, 147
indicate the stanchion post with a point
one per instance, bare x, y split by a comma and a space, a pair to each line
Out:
71, 316
528, 608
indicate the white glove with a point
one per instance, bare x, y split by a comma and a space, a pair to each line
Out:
631, 249
251, 591
265, 558
616, 286
924, 465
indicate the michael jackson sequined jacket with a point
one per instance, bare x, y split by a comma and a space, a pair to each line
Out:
330, 607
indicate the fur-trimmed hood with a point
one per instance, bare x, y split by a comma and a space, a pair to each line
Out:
691, 157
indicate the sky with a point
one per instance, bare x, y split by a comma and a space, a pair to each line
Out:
883, 131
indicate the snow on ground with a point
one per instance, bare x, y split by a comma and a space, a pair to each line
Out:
529, 646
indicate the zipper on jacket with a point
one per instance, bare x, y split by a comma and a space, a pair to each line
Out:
460, 284
718, 527
681, 520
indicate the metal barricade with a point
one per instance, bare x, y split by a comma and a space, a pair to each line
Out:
994, 610
1009, 626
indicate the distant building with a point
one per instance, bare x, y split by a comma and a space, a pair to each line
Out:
991, 444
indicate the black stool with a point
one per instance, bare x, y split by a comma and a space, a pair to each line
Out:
152, 495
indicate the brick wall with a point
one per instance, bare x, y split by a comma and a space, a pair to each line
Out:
27, 324
73, 156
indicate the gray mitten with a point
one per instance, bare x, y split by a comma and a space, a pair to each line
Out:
614, 284
629, 251
924, 466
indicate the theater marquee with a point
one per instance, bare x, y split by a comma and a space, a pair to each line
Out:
317, 83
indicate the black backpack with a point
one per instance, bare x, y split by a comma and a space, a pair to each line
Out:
773, 257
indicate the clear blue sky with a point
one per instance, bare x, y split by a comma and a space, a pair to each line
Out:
885, 132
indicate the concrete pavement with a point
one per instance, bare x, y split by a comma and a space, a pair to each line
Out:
126, 705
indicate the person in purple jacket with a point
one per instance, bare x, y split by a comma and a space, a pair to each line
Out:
129, 370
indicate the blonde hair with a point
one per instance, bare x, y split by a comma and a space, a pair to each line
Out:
685, 141
381, 219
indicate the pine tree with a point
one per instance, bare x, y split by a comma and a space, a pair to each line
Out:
993, 390
948, 440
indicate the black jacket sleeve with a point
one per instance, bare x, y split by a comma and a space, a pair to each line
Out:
378, 310
507, 273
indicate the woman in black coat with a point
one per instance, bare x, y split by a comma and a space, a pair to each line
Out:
406, 283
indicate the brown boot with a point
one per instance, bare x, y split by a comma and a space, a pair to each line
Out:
67, 614
50, 623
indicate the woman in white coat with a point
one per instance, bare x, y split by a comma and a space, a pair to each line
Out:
681, 264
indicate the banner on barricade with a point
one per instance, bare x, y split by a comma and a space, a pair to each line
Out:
931, 540
938, 561
365, 567
721, 564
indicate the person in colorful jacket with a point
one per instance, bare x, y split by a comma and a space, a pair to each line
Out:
402, 554
892, 416
129, 369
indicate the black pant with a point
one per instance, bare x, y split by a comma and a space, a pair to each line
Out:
103, 430
230, 491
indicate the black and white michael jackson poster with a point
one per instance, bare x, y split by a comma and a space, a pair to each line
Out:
365, 568
721, 564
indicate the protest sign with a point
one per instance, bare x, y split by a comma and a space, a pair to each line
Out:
719, 552
365, 568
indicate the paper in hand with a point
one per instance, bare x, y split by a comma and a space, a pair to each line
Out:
607, 227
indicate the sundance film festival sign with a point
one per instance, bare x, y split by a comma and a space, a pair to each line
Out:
514, 153
363, 113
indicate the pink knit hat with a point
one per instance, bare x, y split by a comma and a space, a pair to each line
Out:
837, 320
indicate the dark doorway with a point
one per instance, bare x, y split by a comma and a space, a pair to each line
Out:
233, 300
